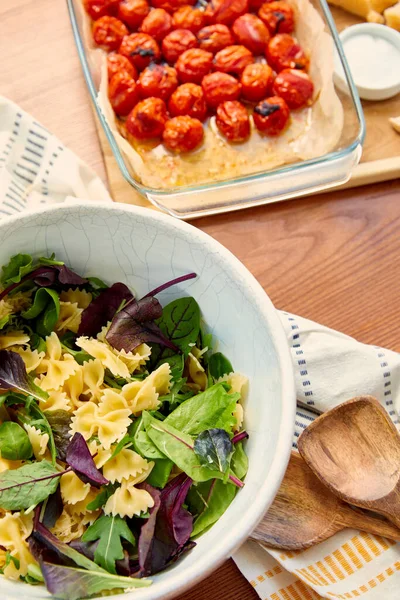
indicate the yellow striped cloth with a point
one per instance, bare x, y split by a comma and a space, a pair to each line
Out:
330, 368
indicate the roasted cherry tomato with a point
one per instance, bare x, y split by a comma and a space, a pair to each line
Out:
295, 87
123, 93
141, 49
158, 81
251, 32
171, 5
225, 11
108, 32
271, 115
278, 17
188, 99
116, 63
147, 120
189, 18
233, 59
193, 64
233, 121
283, 52
101, 8
176, 42
219, 87
214, 38
255, 5
158, 24
132, 12
183, 134
256, 80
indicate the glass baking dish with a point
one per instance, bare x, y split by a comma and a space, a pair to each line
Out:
289, 181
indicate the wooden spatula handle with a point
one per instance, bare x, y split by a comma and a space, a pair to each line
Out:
357, 519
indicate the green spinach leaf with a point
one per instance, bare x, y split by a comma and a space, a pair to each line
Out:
109, 531
219, 365
209, 500
18, 266
142, 443
14, 442
160, 473
180, 323
214, 449
46, 309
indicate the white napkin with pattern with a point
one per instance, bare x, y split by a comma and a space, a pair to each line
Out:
330, 367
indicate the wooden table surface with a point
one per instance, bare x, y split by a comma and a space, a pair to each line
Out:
334, 258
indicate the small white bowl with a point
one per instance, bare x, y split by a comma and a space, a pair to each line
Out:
373, 54
143, 248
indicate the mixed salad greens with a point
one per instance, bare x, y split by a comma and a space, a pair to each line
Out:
105, 486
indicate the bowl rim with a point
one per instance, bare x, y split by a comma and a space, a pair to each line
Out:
265, 494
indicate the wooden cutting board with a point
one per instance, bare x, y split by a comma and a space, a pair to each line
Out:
381, 152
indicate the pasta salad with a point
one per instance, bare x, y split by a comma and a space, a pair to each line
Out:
121, 433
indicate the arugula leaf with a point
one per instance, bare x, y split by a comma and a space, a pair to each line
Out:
68, 583
68, 344
109, 530
214, 448
219, 365
46, 308
60, 424
103, 308
28, 485
212, 408
180, 323
19, 265
240, 462
102, 497
211, 499
134, 324
14, 442
98, 283
13, 375
178, 447
78, 457
160, 473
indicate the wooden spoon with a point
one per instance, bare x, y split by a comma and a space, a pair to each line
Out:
305, 513
354, 450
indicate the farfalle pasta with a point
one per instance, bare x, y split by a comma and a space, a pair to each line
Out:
104, 399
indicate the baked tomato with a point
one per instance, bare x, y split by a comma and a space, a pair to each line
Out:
101, 8
233, 59
141, 49
188, 99
132, 12
193, 64
233, 121
147, 120
116, 63
271, 115
256, 80
183, 134
295, 87
187, 17
158, 24
176, 42
251, 32
219, 87
283, 52
214, 38
171, 5
278, 17
225, 11
108, 32
158, 81
123, 93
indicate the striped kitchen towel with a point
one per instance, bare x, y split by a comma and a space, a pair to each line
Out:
330, 367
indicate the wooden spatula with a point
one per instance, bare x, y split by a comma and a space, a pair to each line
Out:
305, 513
354, 450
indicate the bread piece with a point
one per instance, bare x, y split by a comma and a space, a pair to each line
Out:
363, 8
395, 123
375, 17
392, 16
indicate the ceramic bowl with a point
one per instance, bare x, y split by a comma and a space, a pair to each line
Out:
143, 249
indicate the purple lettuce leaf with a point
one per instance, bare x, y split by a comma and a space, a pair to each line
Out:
68, 583
80, 460
168, 529
126, 566
103, 308
41, 552
48, 276
238, 437
13, 375
169, 284
52, 509
134, 325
